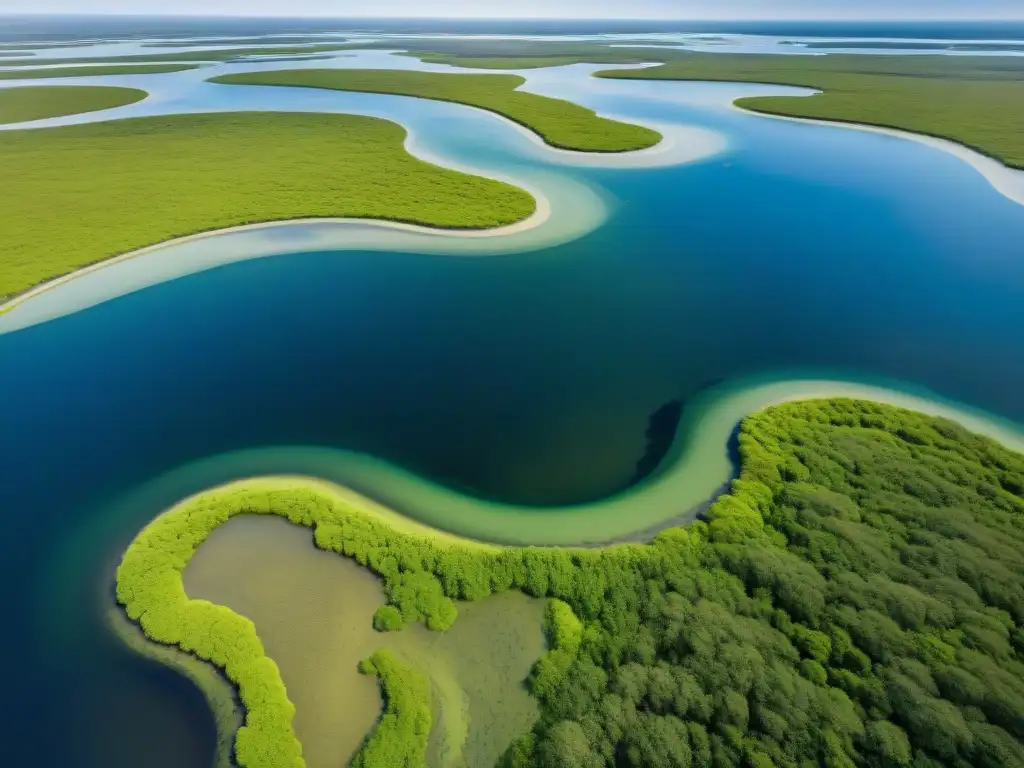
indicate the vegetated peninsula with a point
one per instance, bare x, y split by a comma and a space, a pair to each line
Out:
40, 102
975, 101
560, 123
83, 71
334, 165
855, 599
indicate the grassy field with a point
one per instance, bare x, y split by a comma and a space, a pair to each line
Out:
115, 69
125, 184
38, 102
855, 599
560, 123
223, 54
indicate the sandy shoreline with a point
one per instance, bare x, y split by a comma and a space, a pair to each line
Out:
1007, 181
541, 214
696, 470
679, 145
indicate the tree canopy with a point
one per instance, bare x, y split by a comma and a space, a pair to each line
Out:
854, 600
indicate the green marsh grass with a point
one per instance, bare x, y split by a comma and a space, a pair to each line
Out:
126, 184
974, 101
977, 101
49, 72
560, 123
40, 102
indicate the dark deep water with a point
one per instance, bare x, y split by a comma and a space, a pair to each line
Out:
514, 377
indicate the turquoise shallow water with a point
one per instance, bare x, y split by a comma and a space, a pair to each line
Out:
525, 378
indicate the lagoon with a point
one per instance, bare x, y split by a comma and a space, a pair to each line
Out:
524, 378
314, 611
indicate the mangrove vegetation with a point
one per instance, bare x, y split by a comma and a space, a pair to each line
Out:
41, 102
94, 71
560, 123
336, 166
977, 101
855, 600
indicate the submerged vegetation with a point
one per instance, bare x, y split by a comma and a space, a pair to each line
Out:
856, 599
336, 166
41, 102
560, 123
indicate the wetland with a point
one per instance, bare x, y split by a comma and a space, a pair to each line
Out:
548, 386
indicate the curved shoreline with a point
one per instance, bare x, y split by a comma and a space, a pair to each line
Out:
696, 469
526, 126
1005, 179
221, 696
346, 522
673, 149
541, 214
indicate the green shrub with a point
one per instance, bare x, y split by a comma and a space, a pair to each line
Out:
400, 738
840, 619
388, 619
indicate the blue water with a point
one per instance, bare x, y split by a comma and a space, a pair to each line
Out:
527, 378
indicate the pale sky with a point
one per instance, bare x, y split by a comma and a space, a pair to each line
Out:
664, 9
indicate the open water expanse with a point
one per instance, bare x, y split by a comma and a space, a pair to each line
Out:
519, 373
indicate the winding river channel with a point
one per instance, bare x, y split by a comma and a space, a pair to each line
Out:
499, 387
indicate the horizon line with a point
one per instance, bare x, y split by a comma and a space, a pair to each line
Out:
326, 17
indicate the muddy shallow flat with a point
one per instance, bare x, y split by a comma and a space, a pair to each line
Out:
314, 610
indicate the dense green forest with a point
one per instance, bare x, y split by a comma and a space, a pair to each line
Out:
855, 600
874, 618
